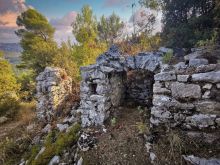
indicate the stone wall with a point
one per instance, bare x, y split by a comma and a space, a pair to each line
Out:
53, 87
104, 84
187, 95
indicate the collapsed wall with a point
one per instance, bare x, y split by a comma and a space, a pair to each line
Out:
53, 88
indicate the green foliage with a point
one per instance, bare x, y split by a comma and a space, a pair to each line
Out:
26, 79
55, 143
187, 22
37, 42
142, 128
8, 89
168, 57
113, 121
65, 60
85, 26
109, 28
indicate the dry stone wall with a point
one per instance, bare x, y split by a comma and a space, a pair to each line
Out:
104, 84
53, 87
187, 95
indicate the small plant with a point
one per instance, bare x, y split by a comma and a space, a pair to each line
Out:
113, 121
142, 128
168, 57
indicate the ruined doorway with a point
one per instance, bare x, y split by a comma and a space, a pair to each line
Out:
139, 88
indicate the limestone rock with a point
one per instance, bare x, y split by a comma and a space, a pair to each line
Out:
54, 161
201, 161
165, 76
208, 107
212, 77
207, 86
201, 120
206, 68
185, 91
198, 62
182, 78
62, 127
206, 95
180, 67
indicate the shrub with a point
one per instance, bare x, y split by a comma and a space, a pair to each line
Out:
168, 57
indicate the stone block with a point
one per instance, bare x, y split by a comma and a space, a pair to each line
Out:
201, 120
165, 76
182, 78
198, 62
212, 77
185, 91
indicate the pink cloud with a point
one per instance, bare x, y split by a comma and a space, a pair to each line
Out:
63, 27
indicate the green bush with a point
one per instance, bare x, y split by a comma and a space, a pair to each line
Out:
168, 57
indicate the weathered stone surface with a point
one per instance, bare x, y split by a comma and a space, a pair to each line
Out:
165, 76
130, 63
207, 86
201, 161
218, 122
206, 68
206, 95
158, 90
54, 161
62, 127
212, 77
161, 113
218, 85
53, 87
208, 107
205, 137
147, 61
182, 78
180, 67
193, 55
201, 120
185, 91
198, 62
165, 50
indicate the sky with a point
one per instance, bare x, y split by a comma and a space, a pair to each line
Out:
60, 13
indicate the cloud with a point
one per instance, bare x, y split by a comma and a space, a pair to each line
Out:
113, 3
9, 10
63, 27
142, 15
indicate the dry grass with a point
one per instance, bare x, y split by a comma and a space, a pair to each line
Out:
27, 112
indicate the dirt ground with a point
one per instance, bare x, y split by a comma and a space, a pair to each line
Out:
122, 144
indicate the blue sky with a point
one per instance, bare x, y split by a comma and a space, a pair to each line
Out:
58, 8
60, 13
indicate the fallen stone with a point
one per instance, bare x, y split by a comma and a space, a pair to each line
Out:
165, 76
80, 161
185, 91
201, 161
86, 142
212, 77
62, 127
54, 161
198, 62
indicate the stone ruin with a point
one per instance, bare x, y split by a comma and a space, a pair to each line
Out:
185, 95
53, 88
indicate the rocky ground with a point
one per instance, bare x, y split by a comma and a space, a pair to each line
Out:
123, 143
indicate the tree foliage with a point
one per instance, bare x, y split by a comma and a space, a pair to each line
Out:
8, 87
37, 42
109, 28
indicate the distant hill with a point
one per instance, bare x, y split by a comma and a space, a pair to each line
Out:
10, 47
12, 52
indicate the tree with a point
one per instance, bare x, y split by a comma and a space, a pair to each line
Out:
8, 87
85, 26
109, 28
39, 47
85, 31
